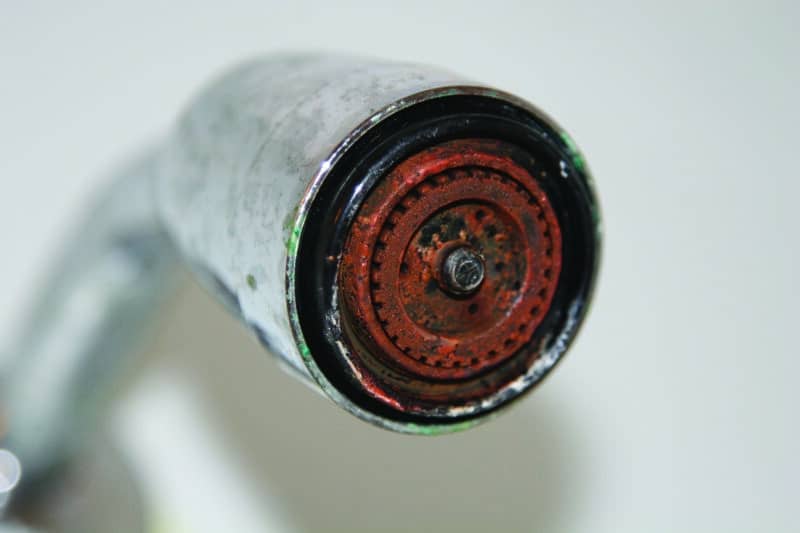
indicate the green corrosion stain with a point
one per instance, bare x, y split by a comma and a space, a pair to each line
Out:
453, 91
251, 282
291, 226
294, 240
305, 352
577, 158
440, 429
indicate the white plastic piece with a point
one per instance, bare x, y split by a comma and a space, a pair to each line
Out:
10, 473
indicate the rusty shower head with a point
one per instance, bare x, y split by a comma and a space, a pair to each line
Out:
449, 258
419, 249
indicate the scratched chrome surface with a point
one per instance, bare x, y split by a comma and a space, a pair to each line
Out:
245, 160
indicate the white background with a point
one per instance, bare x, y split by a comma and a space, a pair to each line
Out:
676, 410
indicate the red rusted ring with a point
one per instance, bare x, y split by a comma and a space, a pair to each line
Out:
476, 196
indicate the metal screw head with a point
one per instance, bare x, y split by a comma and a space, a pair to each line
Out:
463, 270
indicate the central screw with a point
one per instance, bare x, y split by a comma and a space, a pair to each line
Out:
463, 271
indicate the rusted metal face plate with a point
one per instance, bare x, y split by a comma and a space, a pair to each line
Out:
469, 198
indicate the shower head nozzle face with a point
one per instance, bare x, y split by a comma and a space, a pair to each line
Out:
451, 263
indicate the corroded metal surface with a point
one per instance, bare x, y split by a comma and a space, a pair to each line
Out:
462, 195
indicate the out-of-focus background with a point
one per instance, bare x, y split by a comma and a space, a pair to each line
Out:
677, 408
